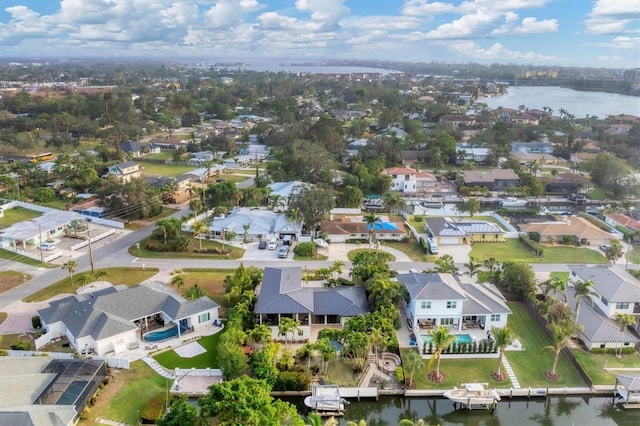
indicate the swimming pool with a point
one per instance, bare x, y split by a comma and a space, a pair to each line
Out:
159, 336
460, 338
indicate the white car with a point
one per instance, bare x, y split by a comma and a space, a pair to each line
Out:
273, 244
47, 245
321, 243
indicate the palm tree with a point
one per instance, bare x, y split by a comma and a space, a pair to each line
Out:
337, 267
177, 280
294, 215
446, 264
411, 361
245, 232
624, 321
442, 339
562, 332
362, 422
195, 205
503, 337
473, 267
200, 228
260, 335
614, 251
70, 265
557, 285
491, 263
371, 219
393, 202
288, 325
582, 289
194, 292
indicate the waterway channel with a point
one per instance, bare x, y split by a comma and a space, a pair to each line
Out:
550, 411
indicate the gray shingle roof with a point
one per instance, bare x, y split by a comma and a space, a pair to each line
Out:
282, 292
431, 287
110, 312
631, 382
483, 298
613, 283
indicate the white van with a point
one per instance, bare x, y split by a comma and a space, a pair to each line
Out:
433, 245
273, 244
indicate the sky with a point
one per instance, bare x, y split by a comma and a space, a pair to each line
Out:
596, 33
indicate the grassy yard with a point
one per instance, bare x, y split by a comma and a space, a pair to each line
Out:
412, 249
634, 255
458, 371
171, 170
167, 155
17, 214
3, 316
209, 359
7, 339
513, 250
139, 224
595, 364
534, 338
127, 394
57, 203
11, 279
341, 373
597, 194
9, 255
127, 276
309, 258
211, 281
388, 257
194, 244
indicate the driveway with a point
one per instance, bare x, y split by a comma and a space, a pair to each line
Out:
460, 253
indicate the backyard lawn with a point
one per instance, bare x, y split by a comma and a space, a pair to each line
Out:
170, 170
211, 281
595, 364
127, 394
17, 214
515, 251
634, 255
412, 249
533, 339
170, 359
7, 339
11, 279
194, 244
341, 373
456, 371
127, 276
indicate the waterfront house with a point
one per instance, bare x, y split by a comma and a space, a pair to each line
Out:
492, 179
580, 229
447, 231
569, 183
354, 228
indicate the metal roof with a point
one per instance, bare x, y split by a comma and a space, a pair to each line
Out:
49, 221
631, 382
431, 286
611, 282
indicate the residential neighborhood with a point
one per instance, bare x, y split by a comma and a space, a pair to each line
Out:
385, 234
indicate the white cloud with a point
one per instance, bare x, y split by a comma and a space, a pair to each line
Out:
612, 17
529, 25
385, 23
497, 51
425, 7
328, 11
228, 13
467, 26
609, 58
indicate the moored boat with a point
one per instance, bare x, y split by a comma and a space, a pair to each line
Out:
513, 202
474, 395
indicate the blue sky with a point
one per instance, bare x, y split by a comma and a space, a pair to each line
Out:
600, 33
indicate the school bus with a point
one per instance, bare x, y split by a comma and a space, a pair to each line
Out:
39, 158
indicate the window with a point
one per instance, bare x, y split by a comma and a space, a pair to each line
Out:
497, 236
204, 317
483, 236
622, 305
495, 317
446, 321
451, 304
426, 304
604, 300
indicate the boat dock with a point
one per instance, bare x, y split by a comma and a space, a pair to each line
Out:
368, 392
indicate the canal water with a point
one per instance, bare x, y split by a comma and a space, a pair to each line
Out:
552, 411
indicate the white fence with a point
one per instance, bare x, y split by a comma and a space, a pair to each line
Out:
35, 255
186, 226
93, 240
46, 339
107, 222
56, 355
114, 362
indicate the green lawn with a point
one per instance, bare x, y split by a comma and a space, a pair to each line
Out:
171, 170
209, 359
456, 371
127, 276
127, 393
594, 365
9, 255
513, 250
167, 155
597, 194
634, 255
388, 257
211, 281
57, 203
17, 214
11, 279
412, 249
564, 276
530, 373
194, 244
3, 316
309, 258
341, 373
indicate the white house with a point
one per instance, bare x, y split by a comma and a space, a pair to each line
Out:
281, 191
403, 179
615, 292
453, 301
112, 321
126, 171
260, 224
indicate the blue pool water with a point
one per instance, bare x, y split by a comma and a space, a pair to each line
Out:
460, 338
159, 336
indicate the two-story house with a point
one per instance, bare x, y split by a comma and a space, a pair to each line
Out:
126, 171
453, 301
615, 291
493, 179
403, 179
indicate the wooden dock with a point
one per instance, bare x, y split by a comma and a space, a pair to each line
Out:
367, 392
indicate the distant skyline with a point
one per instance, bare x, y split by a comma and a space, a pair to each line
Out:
598, 33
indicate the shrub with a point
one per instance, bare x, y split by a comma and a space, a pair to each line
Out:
305, 249
635, 273
567, 239
292, 381
399, 374
153, 410
36, 322
418, 218
531, 244
21, 345
3, 352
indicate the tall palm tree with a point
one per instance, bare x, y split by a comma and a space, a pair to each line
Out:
177, 280
71, 266
337, 267
371, 219
294, 216
624, 321
411, 360
491, 263
288, 325
442, 339
556, 285
200, 228
503, 337
446, 264
582, 289
562, 332
245, 232
473, 267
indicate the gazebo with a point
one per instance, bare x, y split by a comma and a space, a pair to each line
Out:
629, 393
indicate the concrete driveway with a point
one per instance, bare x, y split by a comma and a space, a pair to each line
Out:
460, 253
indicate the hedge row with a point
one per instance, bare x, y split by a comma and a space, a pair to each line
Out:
535, 247
484, 346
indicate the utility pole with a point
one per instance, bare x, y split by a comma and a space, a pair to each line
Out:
90, 249
40, 243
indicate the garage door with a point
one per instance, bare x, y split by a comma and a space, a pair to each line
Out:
448, 240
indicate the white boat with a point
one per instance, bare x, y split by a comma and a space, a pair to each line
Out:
321, 243
513, 202
474, 395
326, 400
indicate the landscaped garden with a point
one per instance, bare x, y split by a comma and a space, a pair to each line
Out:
634, 255
210, 359
515, 251
207, 248
125, 275
530, 364
594, 364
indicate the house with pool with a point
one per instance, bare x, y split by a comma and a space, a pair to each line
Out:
115, 320
468, 309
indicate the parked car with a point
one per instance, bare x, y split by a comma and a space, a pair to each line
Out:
47, 245
604, 247
283, 252
262, 245
273, 244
